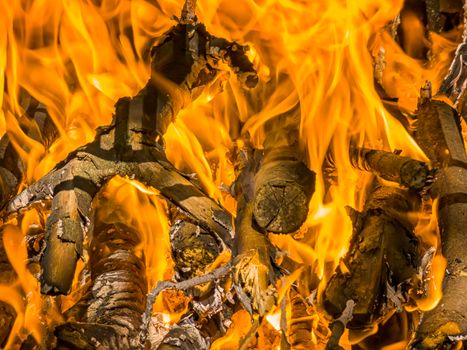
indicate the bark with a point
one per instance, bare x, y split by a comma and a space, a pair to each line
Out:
392, 167
382, 257
36, 124
283, 185
112, 317
127, 147
299, 330
447, 322
7, 313
253, 252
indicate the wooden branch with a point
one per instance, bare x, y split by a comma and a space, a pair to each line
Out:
182, 66
183, 285
439, 136
253, 252
382, 258
392, 167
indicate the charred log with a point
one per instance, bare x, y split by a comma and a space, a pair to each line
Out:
438, 133
127, 148
392, 167
112, 317
383, 256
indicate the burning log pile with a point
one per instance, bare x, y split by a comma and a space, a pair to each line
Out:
251, 263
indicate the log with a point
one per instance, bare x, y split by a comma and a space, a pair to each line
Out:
182, 65
283, 184
299, 330
253, 252
35, 123
382, 258
7, 313
406, 171
446, 322
117, 299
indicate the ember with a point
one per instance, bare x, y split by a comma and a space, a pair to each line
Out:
210, 174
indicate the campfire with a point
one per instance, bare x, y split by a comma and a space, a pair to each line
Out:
248, 174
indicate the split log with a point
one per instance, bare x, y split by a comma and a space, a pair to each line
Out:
253, 252
392, 167
182, 66
117, 299
283, 185
438, 134
383, 256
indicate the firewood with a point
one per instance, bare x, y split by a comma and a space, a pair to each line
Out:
184, 337
7, 313
37, 124
181, 67
253, 252
382, 258
438, 134
299, 330
284, 184
392, 167
118, 295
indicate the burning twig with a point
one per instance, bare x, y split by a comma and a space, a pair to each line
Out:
383, 253
438, 134
184, 62
392, 167
183, 285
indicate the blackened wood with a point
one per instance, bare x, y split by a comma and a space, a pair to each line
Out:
406, 171
383, 254
117, 299
184, 62
439, 135
36, 124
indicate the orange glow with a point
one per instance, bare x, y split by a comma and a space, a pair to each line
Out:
77, 57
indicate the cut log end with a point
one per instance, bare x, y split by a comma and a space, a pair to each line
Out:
283, 191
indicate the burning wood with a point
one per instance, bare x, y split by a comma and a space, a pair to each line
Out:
222, 219
383, 257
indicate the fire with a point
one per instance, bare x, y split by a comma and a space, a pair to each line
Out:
78, 57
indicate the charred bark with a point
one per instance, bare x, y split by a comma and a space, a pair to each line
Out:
392, 167
117, 299
35, 123
383, 256
183, 65
438, 134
